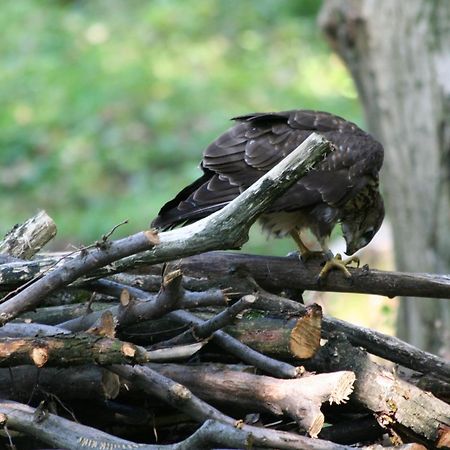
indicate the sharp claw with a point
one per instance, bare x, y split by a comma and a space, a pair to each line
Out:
338, 263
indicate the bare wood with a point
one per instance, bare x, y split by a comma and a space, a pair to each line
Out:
300, 398
69, 271
295, 337
207, 328
393, 401
60, 432
281, 273
291, 273
242, 351
271, 272
25, 240
169, 391
97, 347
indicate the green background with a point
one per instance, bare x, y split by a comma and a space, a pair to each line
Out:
107, 105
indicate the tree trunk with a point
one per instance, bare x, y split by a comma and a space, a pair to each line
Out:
399, 56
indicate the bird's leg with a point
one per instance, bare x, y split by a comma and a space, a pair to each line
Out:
305, 252
336, 262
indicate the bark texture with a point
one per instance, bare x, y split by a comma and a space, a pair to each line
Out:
399, 56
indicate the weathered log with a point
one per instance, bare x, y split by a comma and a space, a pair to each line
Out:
261, 333
57, 431
240, 350
87, 259
81, 349
60, 432
393, 401
25, 240
207, 328
275, 273
297, 337
300, 398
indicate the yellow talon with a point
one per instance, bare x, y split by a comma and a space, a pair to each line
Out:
338, 263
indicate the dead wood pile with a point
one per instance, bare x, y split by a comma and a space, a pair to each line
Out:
156, 342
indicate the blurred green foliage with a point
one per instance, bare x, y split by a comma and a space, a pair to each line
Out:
106, 105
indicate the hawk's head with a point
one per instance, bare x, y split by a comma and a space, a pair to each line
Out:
360, 224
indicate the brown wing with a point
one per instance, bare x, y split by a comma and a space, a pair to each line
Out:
258, 142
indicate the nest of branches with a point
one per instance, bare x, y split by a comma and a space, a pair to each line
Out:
156, 342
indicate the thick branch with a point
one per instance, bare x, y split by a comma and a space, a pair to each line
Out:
290, 273
25, 240
64, 433
394, 401
84, 262
300, 399
80, 349
236, 348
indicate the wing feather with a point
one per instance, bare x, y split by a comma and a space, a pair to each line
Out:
257, 142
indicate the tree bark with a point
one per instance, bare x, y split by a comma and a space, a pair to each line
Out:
300, 398
399, 56
394, 402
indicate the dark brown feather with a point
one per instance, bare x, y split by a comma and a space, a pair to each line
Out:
257, 143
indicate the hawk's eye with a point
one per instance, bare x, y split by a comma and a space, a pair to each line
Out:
367, 236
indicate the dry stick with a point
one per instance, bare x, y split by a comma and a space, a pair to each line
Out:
208, 327
276, 368
170, 391
25, 240
62, 350
60, 432
227, 228
171, 296
394, 401
273, 273
15, 330
191, 299
375, 342
57, 431
182, 398
69, 271
300, 398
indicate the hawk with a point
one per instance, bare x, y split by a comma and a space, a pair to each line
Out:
343, 188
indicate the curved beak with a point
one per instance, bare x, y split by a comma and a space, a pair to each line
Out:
349, 250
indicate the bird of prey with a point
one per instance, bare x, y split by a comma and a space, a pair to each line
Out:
343, 188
